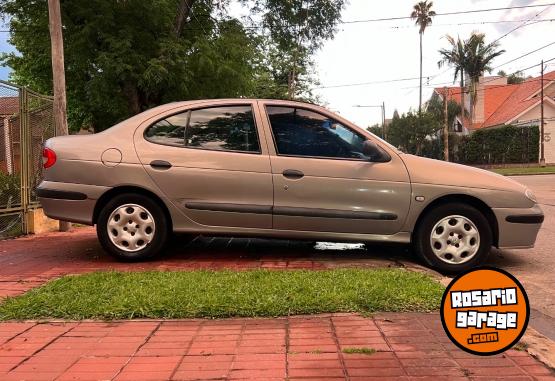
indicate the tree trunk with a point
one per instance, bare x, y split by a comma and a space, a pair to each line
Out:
462, 100
445, 126
133, 101
58, 75
183, 13
420, 97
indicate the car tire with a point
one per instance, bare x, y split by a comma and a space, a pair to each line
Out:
453, 237
132, 227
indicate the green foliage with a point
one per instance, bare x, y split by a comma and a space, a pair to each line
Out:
10, 190
422, 14
361, 350
436, 107
513, 78
503, 145
216, 294
534, 170
413, 133
377, 130
122, 57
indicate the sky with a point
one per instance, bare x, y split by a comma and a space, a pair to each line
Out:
389, 50
369, 52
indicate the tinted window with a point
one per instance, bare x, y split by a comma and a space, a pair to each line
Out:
169, 131
300, 132
229, 128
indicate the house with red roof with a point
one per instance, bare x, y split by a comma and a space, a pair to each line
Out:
499, 104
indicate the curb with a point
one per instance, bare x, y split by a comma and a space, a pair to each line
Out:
540, 347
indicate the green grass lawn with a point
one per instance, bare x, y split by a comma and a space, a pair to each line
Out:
218, 294
524, 171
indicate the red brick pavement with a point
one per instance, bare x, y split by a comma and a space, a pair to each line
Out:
409, 346
30, 261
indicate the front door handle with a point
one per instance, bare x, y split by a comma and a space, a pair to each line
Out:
292, 174
160, 164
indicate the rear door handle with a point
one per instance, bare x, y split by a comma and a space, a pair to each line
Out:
292, 174
160, 164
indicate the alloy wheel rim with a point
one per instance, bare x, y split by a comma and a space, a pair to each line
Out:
131, 227
455, 239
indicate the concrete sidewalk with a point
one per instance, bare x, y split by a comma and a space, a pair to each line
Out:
409, 346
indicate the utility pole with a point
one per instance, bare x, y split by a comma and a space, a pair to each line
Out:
383, 121
58, 75
445, 126
382, 108
542, 140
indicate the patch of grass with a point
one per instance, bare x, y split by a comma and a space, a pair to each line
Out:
220, 294
362, 350
520, 346
524, 171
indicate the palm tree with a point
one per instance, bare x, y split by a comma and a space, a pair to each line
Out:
478, 58
422, 14
456, 56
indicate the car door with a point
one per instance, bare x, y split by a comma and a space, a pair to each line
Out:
322, 180
212, 162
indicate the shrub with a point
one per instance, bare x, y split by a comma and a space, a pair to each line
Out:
10, 190
503, 145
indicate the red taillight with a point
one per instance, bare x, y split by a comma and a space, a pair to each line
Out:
48, 158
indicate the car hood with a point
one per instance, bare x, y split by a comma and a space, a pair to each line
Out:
429, 171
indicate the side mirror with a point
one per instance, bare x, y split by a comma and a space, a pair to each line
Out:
374, 152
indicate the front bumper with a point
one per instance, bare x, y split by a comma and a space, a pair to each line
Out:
68, 201
518, 227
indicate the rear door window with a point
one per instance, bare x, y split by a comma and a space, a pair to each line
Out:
222, 128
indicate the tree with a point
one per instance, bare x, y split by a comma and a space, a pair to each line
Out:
123, 57
436, 107
298, 28
422, 14
479, 56
514, 78
412, 132
456, 57
377, 130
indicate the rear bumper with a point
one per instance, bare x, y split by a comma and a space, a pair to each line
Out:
518, 227
68, 201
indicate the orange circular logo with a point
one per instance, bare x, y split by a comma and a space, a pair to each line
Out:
485, 311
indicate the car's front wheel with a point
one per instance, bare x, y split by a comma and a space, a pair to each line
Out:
132, 227
453, 237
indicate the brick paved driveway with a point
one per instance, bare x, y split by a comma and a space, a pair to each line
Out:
410, 346
30, 261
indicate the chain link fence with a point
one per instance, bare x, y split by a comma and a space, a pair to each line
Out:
27, 122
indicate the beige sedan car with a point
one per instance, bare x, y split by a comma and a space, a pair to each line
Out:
280, 169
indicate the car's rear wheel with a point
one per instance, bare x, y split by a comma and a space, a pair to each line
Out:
453, 237
132, 227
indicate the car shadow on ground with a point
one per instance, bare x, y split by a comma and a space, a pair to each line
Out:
330, 254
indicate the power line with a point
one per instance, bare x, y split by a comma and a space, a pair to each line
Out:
494, 68
524, 55
521, 25
356, 84
447, 13
473, 23
367, 83
497, 86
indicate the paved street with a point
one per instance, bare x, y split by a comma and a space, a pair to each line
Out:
535, 267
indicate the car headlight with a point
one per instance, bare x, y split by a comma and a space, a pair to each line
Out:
531, 196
